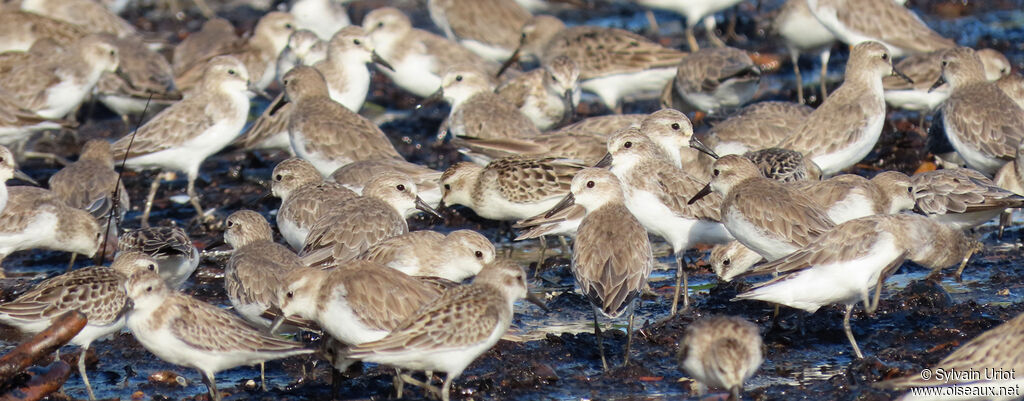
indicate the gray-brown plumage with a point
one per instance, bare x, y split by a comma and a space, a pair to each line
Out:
305, 198
587, 148
465, 322
998, 347
359, 223
490, 28
97, 292
712, 79
454, 257
548, 96
35, 218
355, 176
19, 30
845, 128
217, 36
924, 70
767, 216
141, 73
847, 196
758, 126
721, 352
512, 188
169, 246
92, 181
257, 266
604, 125
202, 336
962, 198
784, 165
478, 112
885, 21
1013, 86
325, 132
982, 123
89, 16
612, 257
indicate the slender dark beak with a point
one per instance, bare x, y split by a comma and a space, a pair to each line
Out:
217, 241
24, 177
941, 81
570, 111
376, 58
703, 192
567, 201
121, 74
900, 74
511, 60
424, 207
535, 299
697, 144
433, 98
277, 323
605, 161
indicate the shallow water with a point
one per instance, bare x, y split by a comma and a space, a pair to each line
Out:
553, 355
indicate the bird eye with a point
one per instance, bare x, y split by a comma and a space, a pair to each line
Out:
152, 267
400, 187
885, 56
519, 277
288, 26
290, 294
628, 145
675, 126
725, 262
231, 223
590, 184
112, 52
910, 190
945, 63
1, 159
447, 187
278, 177
231, 72
458, 78
149, 289
380, 24
715, 172
479, 255
357, 42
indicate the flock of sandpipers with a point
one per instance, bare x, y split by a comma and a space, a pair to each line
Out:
765, 185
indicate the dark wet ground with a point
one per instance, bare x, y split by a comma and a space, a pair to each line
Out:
554, 355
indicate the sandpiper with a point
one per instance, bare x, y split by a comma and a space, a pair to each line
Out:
846, 197
784, 165
961, 198
476, 111
548, 96
656, 193
143, 75
758, 126
170, 247
584, 147
490, 28
36, 218
509, 189
455, 328
844, 129
732, 259
323, 131
322, 17
304, 48
996, 352
721, 352
713, 80
926, 68
19, 30
90, 16
305, 198
884, 21
97, 292
354, 176
802, 33
612, 257
419, 58
637, 65
695, 12
982, 123
767, 216
17, 123
844, 264
180, 137
92, 179
351, 228
178, 329
259, 53
54, 85
257, 266
456, 256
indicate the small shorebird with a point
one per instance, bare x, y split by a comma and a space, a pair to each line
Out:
188, 332
305, 198
36, 218
456, 256
844, 264
612, 257
721, 352
489, 28
169, 246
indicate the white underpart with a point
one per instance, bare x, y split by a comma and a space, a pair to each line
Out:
844, 282
613, 88
916, 99
854, 205
755, 238
681, 232
320, 17
833, 163
973, 156
494, 53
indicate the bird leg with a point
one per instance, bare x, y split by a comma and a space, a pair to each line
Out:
194, 198
794, 56
71, 264
263, 376
849, 332
600, 343
709, 26
629, 336
149, 198
211, 385
825, 55
683, 287
690, 38
81, 372
543, 249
